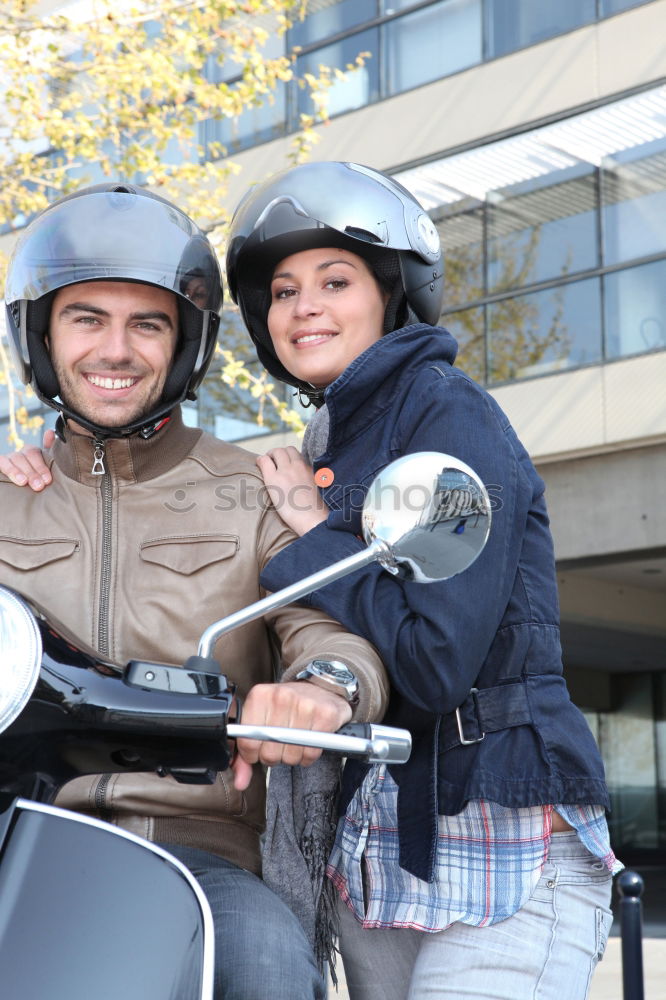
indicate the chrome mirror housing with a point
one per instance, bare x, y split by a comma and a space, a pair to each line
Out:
433, 514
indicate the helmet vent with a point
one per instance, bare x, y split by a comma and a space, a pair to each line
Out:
362, 234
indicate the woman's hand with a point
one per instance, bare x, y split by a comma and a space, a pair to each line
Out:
292, 489
27, 467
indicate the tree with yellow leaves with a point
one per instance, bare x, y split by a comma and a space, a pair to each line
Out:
102, 89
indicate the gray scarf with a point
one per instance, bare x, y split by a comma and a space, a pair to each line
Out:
315, 439
301, 813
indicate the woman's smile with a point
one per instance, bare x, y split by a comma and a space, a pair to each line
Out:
314, 338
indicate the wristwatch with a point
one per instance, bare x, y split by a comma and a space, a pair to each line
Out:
332, 676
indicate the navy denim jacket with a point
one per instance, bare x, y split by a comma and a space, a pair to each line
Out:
493, 627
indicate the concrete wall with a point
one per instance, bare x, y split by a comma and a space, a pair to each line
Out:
609, 504
592, 410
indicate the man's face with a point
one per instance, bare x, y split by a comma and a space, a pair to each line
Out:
111, 345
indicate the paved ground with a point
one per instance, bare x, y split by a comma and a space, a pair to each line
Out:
607, 983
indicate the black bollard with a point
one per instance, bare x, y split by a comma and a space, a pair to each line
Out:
630, 888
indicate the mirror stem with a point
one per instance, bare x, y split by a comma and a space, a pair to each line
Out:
376, 551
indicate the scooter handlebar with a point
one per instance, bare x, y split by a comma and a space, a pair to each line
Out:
374, 743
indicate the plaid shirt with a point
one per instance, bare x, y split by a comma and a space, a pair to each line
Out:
489, 859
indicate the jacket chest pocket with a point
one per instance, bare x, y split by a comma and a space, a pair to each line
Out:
187, 554
28, 554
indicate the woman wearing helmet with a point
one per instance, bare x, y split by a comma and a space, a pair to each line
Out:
483, 866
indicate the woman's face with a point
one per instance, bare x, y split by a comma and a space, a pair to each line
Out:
326, 309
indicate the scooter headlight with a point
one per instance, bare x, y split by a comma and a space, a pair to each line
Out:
20, 656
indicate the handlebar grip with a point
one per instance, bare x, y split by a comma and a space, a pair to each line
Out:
373, 743
398, 741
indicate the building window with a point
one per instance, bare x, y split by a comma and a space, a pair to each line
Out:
35, 408
609, 7
359, 88
633, 186
234, 412
431, 43
469, 329
255, 124
544, 332
635, 310
326, 18
462, 237
515, 24
541, 229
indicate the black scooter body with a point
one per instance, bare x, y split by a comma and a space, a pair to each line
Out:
87, 910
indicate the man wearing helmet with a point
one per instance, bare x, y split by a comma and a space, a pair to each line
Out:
147, 535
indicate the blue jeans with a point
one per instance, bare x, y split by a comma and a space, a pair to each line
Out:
261, 950
548, 950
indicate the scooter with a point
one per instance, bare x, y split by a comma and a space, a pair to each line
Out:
90, 910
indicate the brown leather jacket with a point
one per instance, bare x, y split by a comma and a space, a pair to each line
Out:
138, 562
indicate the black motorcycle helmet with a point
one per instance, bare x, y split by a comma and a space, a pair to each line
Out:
113, 232
333, 204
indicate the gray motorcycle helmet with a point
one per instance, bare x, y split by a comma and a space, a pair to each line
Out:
332, 203
113, 232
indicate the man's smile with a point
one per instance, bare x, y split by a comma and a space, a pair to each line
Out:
106, 382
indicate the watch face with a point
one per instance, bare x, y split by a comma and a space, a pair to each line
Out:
338, 671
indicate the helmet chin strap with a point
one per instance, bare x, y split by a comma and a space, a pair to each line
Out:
310, 395
145, 430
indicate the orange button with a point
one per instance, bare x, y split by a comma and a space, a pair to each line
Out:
324, 477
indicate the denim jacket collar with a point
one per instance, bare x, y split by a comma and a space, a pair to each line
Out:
366, 388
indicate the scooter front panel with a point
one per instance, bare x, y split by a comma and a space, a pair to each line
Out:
88, 910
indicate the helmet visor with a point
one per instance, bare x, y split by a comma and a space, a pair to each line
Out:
114, 235
353, 200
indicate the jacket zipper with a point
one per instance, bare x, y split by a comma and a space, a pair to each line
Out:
100, 795
99, 469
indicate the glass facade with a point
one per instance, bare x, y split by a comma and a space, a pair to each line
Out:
514, 24
555, 242
34, 409
542, 229
543, 332
408, 43
626, 712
